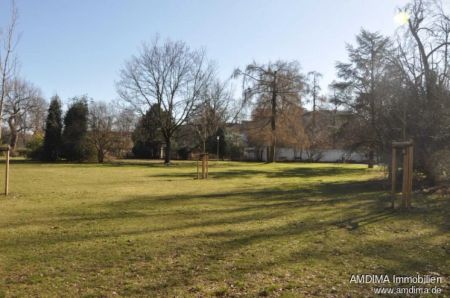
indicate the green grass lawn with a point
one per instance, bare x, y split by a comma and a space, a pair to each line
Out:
143, 229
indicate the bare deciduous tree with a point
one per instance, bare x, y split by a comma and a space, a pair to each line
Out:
170, 75
430, 28
36, 116
273, 84
8, 60
124, 126
317, 134
313, 88
212, 112
101, 123
22, 100
289, 133
422, 61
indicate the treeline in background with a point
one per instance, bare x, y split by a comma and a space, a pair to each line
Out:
172, 103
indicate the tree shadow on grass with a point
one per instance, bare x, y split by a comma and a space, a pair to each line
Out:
231, 207
226, 225
345, 198
267, 173
151, 163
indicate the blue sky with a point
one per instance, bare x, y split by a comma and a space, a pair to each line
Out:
79, 46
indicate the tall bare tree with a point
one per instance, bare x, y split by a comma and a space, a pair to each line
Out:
422, 61
36, 116
101, 123
124, 126
170, 75
274, 84
313, 88
8, 59
428, 20
315, 129
22, 101
212, 111
289, 133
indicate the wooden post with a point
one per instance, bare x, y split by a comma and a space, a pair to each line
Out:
7, 173
6, 149
204, 166
405, 177
410, 175
407, 181
393, 175
207, 165
197, 168
203, 157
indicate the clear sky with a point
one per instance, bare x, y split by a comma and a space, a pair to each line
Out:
79, 46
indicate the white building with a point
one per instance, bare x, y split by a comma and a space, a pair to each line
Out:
289, 154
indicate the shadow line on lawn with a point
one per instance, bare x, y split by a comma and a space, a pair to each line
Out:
300, 172
359, 204
264, 205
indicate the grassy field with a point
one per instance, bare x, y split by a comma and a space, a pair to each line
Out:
143, 229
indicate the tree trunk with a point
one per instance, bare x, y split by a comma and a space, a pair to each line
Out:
167, 153
13, 141
424, 60
271, 157
271, 153
100, 156
1, 120
2, 97
371, 161
14, 135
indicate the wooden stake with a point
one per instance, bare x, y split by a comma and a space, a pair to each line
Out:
204, 159
410, 176
393, 175
7, 173
405, 177
207, 165
197, 170
203, 166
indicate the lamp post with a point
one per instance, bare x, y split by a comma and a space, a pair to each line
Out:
218, 139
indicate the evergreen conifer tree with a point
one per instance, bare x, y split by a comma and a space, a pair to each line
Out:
75, 144
53, 127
